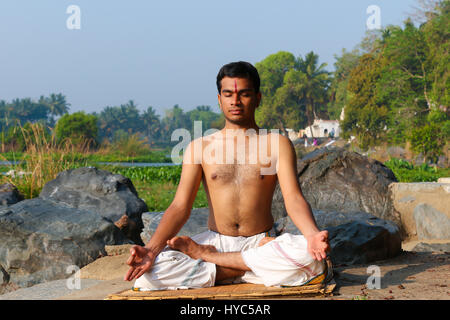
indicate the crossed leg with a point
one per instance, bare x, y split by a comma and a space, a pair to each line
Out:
228, 264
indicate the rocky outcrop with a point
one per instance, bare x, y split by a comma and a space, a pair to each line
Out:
197, 223
355, 237
40, 238
334, 179
430, 223
433, 200
109, 195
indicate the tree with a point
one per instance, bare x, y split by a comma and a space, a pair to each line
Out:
79, 127
339, 95
365, 117
294, 90
152, 124
317, 81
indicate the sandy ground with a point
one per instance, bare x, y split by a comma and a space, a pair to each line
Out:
409, 276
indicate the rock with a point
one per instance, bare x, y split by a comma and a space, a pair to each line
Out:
431, 247
9, 194
430, 223
407, 196
356, 237
109, 195
40, 239
334, 179
115, 250
197, 223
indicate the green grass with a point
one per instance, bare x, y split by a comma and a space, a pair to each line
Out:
405, 171
159, 195
157, 185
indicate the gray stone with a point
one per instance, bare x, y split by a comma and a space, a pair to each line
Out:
430, 223
334, 179
431, 247
197, 223
39, 239
111, 196
9, 194
355, 237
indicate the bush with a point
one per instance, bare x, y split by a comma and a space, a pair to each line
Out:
77, 127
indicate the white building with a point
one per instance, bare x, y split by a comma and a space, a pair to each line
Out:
321, 128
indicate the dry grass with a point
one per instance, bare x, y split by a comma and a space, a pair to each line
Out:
43, 159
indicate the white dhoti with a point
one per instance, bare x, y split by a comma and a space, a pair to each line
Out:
283, 261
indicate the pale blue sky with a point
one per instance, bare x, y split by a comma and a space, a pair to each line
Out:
162, 53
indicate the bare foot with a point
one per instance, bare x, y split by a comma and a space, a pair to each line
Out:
265, 240
190, 247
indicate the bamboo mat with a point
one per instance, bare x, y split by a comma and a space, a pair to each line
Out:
231, 291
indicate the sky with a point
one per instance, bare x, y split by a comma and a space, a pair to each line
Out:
162, 53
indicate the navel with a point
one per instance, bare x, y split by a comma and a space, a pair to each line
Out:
214, 176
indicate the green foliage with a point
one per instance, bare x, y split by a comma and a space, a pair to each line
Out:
405, 171
20, 111
16, 137
428, 140
398, 90
150, 174
79, 127
294, 90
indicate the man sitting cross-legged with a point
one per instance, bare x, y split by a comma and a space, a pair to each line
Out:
241, 244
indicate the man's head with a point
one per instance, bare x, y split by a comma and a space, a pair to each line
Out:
238, 85
239, 69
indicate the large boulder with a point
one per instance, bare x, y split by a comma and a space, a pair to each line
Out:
111, 196
334, 179
40, 239
355, 237
408, 198
430, 223
197, 223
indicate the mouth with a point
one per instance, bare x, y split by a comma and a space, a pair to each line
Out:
236, 111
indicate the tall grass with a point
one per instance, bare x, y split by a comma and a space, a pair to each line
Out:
42, 160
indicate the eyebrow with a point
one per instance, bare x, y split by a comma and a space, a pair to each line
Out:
232, 91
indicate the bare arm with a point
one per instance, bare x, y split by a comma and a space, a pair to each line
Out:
176, 215
179, 210
297, 207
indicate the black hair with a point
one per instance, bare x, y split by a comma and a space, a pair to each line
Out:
240, 69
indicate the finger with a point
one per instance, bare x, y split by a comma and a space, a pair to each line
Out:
128, 274
318, 257
323, 254
135, 272
141, 273
132, 256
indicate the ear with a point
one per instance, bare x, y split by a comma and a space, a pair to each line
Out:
258, 99
218, 99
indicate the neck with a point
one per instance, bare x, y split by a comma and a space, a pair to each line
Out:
242, 126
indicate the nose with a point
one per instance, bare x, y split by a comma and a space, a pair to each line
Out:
236, 100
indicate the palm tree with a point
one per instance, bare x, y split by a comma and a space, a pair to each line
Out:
151, 122
56, 103
314, 89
